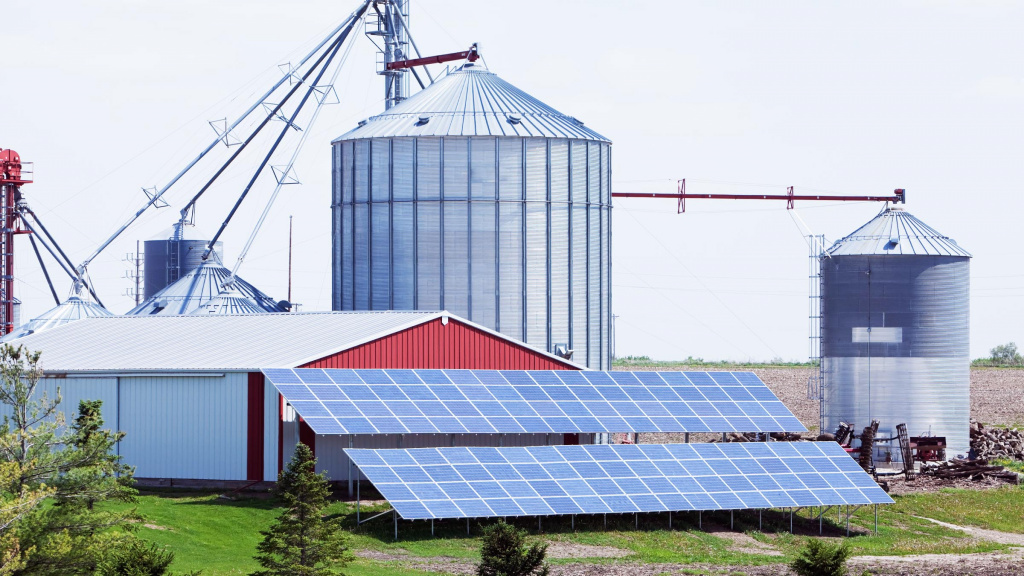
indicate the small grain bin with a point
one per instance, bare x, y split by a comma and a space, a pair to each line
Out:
895, 331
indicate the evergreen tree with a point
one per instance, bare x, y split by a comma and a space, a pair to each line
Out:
76, 465
506, 553
301, 542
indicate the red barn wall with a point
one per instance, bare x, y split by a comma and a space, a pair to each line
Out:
435, 345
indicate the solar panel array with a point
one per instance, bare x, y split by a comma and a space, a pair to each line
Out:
528, 402
620, 478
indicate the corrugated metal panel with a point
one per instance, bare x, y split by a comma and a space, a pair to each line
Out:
428, 255
483, 261
895, 232
456, 169
438, 345
537, 274
203, 436
455, 295
380, 170
428, 168
346, 241
361, 266
380, 256
510, 272
73, 391
559, 273
923, 377
470, 101
579, 341
404, 272
510, 169
362, 171
403, 169
482, 168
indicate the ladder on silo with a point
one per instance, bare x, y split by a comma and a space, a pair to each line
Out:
816, 383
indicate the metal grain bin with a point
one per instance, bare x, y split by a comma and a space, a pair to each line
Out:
173, 254
895, 328
474, 197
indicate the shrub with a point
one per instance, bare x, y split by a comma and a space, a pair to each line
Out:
819, 558
506, 553
1007, 355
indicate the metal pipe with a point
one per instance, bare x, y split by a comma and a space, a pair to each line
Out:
156, 197
413, 42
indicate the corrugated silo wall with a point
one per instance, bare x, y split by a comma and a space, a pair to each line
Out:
512, 233
168, 260
913, 366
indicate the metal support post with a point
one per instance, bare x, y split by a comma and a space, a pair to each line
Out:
538, 524
686, 438
606, 519
572, 522
700, 520
820, 523
431, 526
723, 436
731, 519
350, 466
847, 519
467, 526
670, 520
357, 503
396, 525
636, 521
759, 520
791, 520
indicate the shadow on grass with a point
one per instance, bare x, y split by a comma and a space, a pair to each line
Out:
771, 522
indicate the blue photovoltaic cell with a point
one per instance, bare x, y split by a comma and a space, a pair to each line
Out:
595, 479
543, 401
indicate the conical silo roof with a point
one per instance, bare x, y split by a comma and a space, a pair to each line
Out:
197, 288
472, 101
896, 232
74, 308
229, 302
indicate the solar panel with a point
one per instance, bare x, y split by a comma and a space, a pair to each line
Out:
595, 479
543, 401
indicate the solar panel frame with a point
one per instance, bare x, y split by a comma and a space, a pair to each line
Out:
474, 482
372, 401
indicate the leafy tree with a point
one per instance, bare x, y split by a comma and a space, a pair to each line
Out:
77, 466
1007, 355
819, 558
302, 542
506, 553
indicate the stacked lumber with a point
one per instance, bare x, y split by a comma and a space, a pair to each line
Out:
970, 470
993, 443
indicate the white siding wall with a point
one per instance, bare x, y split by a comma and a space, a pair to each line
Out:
72, 390
186, 426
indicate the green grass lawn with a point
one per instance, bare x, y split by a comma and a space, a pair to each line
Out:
219, 536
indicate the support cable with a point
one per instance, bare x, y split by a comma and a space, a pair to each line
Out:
76, 276
414, 47
272, 115
289, 166
157, 196
280, 137
69, 271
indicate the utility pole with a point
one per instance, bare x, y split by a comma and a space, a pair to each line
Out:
289, 259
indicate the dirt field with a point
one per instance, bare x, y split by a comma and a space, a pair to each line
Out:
996, 394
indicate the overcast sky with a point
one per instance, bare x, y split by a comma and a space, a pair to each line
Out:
110, 96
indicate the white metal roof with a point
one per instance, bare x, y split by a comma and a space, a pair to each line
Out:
471, 101
246, 342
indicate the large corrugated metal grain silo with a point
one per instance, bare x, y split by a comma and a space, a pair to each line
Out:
895, 328
475, 197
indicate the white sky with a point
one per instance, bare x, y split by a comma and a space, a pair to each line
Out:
748, 97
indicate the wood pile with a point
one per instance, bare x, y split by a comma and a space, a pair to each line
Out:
987, 442
970, 470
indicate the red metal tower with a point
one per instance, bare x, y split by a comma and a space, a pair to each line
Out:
12, 175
